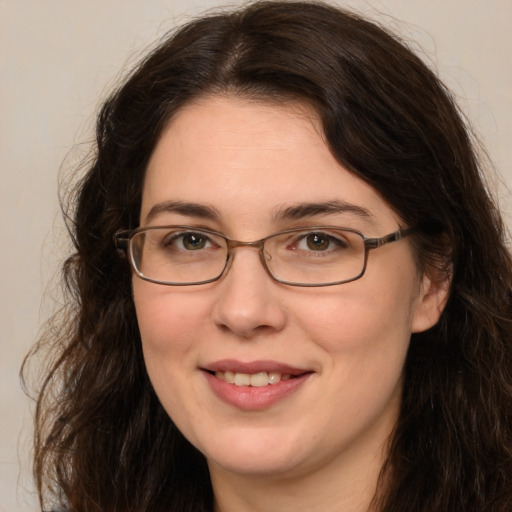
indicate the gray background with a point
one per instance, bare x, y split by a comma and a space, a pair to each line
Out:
58, 59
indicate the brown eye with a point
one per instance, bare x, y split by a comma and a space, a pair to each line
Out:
185, 241
318, 241
194, 241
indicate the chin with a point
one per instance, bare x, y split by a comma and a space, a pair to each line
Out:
256, 466
261, 456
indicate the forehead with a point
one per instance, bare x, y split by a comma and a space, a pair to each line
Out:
246, 158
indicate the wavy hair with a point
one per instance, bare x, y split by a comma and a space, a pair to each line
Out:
104, 443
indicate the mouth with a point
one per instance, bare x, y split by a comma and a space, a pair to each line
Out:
257, 380
256, 385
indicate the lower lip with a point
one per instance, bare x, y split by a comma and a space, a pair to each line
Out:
252, 398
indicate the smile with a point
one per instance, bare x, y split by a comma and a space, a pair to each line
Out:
258, 380
253, 386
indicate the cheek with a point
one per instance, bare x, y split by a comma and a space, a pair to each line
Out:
364, 333
353, 319
169, 322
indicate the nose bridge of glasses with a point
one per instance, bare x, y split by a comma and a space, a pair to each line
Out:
256, 244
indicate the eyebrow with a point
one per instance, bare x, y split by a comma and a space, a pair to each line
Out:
304, 210
188, 209
293, 212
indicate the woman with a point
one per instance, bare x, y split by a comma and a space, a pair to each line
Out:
291, 289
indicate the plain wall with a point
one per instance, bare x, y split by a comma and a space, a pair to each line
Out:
57, 60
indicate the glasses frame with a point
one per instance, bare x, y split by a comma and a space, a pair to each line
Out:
124, 242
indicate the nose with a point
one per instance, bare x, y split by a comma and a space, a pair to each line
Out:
249, 301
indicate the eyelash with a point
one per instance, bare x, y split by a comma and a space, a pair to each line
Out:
167, 242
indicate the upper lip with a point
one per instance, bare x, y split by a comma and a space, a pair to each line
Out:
252, 367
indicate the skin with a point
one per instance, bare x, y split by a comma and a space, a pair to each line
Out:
322, 447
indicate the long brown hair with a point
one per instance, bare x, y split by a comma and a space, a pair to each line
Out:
104, 443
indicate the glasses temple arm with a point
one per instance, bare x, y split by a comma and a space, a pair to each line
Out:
121, 240
373, 243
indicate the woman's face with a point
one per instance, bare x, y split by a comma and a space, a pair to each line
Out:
249, 170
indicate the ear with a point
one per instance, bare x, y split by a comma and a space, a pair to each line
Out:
431, 301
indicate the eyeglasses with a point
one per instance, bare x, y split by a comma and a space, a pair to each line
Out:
313, 256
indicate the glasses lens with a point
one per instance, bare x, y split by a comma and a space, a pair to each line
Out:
177, 255
319, 256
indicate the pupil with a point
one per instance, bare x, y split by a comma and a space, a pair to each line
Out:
316, 242
193, 241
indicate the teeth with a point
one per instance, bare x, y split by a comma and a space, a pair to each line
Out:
229, 377
242, 379
259, 379
274, 377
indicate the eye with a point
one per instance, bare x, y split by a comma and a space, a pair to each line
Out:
188, 241
317, 241
194, 241
320, 242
